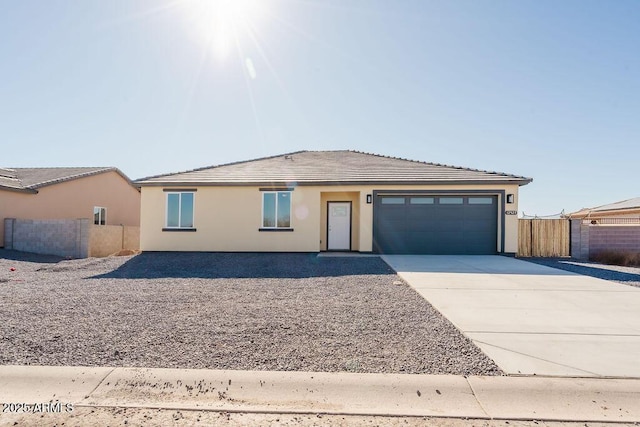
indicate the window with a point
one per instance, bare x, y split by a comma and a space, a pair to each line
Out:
422, 200
480, 200
99, 215
392, 200
450, 200
180, 210
276, 209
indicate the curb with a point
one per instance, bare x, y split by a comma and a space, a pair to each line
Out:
313, 393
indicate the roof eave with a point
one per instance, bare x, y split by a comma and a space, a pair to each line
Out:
519, 182
19, 190
84, 175
608, 212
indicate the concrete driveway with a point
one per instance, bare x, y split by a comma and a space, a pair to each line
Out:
532, 319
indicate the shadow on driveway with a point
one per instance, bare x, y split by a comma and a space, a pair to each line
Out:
154, 265
591, 269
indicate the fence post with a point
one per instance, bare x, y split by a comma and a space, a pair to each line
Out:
579, 240
9, 225
82, 239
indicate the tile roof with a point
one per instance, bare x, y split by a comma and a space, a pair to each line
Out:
8, 179
30, 179
330, 167
624, 204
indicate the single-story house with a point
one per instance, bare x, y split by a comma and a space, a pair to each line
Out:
624, 209
312, 201
104, 195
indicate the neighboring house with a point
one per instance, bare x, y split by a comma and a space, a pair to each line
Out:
625, 209
312, 201
104, 195
608, 228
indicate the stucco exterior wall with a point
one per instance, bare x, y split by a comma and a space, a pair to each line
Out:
105, 240
76, 199
228, 219
635, 214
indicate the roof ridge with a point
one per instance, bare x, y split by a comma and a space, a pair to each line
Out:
60, 167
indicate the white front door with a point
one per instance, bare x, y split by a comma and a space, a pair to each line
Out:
339, 226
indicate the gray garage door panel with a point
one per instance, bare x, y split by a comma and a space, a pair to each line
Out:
435, 228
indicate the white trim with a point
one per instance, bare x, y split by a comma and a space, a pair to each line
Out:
100, 218
348, 206
276, 213
166, 209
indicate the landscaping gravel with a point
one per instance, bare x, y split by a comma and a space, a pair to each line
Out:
225, 311
625, 275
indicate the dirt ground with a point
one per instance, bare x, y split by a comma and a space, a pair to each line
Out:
225, 311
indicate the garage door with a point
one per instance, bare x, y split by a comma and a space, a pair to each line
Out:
424, 224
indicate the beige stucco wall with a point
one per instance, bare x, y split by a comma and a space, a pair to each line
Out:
105, 240
228, 219
75, 199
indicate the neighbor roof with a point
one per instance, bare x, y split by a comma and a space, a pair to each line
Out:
629, 204
625, 204
330, 168
30, 179
9, 179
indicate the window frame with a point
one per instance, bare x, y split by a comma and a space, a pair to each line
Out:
168, 227
277, 203
101, 220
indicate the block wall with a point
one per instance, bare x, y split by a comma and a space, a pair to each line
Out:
63, 237
105, 240
588, 240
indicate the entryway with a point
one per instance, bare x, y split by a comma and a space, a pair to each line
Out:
339, 226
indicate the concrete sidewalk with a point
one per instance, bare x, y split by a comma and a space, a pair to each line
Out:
508, 398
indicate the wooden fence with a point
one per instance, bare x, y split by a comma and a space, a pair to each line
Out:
543, 238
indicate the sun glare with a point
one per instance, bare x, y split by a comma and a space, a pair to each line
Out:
220, 21
223, 27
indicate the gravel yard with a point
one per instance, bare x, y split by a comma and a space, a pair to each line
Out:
225, 311
625, 275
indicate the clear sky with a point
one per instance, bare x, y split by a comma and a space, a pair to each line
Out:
546, 89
